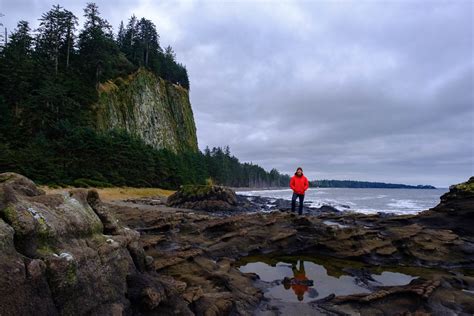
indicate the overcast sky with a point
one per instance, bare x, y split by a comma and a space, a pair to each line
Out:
363, 90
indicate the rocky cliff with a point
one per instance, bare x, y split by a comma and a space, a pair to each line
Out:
151, 108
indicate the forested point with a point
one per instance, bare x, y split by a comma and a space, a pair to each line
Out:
49, 79
364, 184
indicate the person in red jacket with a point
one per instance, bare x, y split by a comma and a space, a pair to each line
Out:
299, 184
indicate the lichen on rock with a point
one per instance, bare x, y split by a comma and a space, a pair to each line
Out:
54, 256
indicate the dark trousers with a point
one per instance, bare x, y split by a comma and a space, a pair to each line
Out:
293, 202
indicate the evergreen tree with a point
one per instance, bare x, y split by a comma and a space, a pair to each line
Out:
54, 33
121, 36
3, 34
16, 72
147, 40
97, 49
127, 40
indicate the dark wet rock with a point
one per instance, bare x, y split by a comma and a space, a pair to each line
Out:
272, 204
420, 297
328, 209
385, 214
455, 211
145, 291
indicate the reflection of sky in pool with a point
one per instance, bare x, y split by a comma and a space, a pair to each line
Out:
323, 284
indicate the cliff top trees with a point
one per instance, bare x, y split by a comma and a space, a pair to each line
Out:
140, 42
97, 49
55, 35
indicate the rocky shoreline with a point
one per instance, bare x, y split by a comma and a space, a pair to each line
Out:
72, 253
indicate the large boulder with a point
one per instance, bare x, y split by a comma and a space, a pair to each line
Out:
57, 259
204, 197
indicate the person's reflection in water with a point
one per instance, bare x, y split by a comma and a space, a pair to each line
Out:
299, 282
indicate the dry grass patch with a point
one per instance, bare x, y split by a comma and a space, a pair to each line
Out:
119, 193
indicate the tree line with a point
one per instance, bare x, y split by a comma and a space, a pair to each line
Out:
81, 156
364, 184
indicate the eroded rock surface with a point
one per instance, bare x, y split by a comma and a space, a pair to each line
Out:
72, 253
193, 247
64, 254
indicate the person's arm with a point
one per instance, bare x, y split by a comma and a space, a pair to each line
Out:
292, 183
306, 184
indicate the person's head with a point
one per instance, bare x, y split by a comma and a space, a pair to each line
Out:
300, 297
299, 172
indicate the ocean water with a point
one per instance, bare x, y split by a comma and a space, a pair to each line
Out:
369, 201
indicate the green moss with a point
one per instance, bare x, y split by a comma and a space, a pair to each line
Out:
467, 186
45, 239
97, 228
10, 216
44, 233
197, 191
71, 274
5, 177
44, 250
98, 238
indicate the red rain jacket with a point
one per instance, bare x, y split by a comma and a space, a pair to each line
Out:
300, 289
299, 184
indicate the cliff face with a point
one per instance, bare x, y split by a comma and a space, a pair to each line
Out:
151, 108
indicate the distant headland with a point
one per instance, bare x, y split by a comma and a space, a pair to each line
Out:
364, 184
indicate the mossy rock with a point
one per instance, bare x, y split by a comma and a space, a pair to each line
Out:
467, 187
5, 177
459, 191
204, 197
